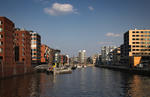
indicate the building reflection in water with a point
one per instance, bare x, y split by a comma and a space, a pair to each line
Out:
22, 86
136, 86
89, 82
140, 87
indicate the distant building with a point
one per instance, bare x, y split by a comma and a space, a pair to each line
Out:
57, 58
63, 59
106, 54
136, 48
82, 57
6, 42
89, 60
22, 47
94, 57
74, 60
98, 60
68, 60
35, 47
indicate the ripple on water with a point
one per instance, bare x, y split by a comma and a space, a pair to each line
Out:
88, 82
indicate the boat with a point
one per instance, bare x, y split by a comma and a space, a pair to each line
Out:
63, 71
79, 66
73, 67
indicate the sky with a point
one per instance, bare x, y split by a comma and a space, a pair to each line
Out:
73, 25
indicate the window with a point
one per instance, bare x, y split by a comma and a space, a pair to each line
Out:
142, 42
145, 31
137, 38
142, 39
1, 50
133, 39
133, 35
1, 43
145, 53
133, 45
141, 31
133, 42
133, 32
0, 22
137, 35
33, 53
33, 42
133, 49
1, 29
137, 31
22, 40
141, 35
33, 38
1, 36
23, 54
22, 34
22, 49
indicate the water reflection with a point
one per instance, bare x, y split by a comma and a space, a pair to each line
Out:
19, 86
89, 82
137, 86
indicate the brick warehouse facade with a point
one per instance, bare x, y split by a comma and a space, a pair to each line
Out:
23, 47
45, 54
6, 47
8, 66
6, 41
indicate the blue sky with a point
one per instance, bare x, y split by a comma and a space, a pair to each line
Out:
71, 25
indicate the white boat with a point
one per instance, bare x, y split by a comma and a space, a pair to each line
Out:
79, 66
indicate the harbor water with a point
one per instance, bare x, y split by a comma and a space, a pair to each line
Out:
84, 82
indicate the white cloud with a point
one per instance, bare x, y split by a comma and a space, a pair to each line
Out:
91, 8
110, 34
60, 9
106, 42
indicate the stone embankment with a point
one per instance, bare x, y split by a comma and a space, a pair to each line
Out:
140, 71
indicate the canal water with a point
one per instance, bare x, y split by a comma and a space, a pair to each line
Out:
86, 82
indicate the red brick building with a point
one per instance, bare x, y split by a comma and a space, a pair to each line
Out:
23, 47
15, 50
45, 53
6, 47
6, 41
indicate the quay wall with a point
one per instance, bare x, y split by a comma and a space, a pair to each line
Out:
140, 71
16, 70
